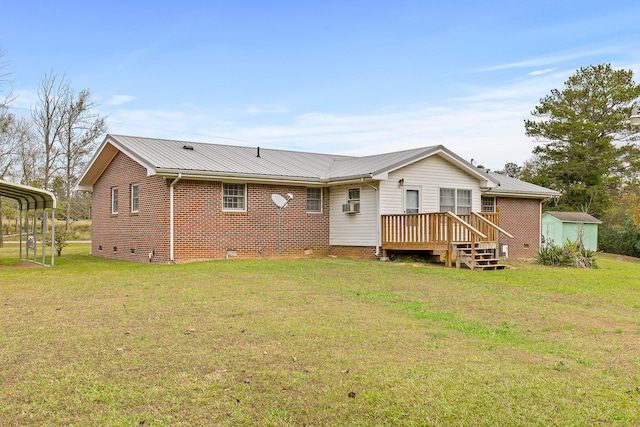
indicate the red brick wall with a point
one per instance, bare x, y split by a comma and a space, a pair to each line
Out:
201, 229
145, 231
204, 230
521, 218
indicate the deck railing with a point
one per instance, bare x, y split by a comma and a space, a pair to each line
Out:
439, 229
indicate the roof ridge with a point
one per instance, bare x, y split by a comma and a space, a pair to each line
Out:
252, 147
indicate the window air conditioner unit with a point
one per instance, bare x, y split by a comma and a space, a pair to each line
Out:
351, 208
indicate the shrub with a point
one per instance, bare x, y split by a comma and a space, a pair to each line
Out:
61, 241
622, 238
572, 254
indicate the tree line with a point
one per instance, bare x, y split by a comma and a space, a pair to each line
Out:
48, 148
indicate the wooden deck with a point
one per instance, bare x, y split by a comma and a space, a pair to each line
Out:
440, 231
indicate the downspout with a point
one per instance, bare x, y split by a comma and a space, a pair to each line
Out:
377, 217
175, 181
540, 226
53, 235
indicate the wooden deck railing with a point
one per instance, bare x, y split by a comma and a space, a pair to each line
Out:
439, 230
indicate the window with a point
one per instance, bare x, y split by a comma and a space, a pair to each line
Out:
411, 200
353, 195
488, 204
463, 202
447, 200
314, 200
114, 200
353, 201
234, 197
455, 200
134, 197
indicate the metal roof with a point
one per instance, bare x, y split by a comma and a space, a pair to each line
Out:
28, 197
208, 161
574, 217
508, 186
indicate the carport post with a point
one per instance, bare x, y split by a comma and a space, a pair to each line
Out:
35, 235
44, 228
20, 230
53, 234
26, 234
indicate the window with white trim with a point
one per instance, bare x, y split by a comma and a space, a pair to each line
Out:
353, 200
463, 201
411, 199
134, 198
114, 200
234, 197
353, 195
488, 204
448, 200
314, 200
455, 200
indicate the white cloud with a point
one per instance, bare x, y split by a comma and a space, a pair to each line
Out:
119, 99
555, 58
252, 109
541, 72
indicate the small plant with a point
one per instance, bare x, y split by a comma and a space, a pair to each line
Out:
572, 254
60, 241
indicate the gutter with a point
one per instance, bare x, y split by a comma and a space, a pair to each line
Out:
241, 177
173, 183
244, 177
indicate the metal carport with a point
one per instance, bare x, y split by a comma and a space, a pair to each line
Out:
32, 199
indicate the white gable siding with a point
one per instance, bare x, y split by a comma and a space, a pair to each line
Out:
429, 175
353, 229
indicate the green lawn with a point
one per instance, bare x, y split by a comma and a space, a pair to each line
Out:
316, 342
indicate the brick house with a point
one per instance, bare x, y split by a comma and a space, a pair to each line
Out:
174, 201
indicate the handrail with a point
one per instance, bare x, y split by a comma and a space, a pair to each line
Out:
491, 224
465, 224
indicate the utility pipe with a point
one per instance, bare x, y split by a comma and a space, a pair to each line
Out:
175, 181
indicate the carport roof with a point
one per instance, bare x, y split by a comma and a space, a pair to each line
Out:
28, 197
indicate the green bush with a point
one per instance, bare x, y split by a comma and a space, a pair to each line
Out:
572, 254
623, 238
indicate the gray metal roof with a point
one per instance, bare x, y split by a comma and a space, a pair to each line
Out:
28, 197
511, 186
207, 161
574, 217
166, 155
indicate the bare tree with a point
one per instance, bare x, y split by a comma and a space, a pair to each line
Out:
6, 94
82, 127
29, 154
7, 148
49, 121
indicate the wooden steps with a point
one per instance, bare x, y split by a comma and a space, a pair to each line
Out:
480, 259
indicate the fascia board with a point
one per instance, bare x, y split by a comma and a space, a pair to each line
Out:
208, 176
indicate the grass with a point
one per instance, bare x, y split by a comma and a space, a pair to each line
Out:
317, 342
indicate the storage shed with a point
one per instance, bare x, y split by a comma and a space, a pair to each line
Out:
558, 227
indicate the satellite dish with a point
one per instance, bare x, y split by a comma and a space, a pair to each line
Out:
279, 200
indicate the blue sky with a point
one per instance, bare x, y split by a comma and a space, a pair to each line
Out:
348, 77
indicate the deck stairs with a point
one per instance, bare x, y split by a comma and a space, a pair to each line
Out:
482, 259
